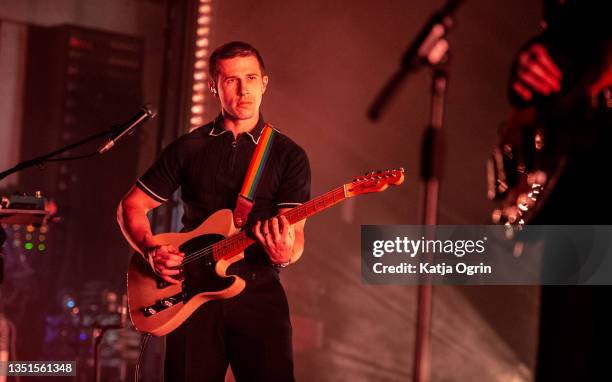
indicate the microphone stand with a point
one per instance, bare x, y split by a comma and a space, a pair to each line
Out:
430, 48
432, 158
39, 161
115, 133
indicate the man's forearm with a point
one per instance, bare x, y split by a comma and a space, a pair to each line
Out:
135, 227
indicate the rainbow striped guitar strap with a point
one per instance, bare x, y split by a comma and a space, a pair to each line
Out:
246, 197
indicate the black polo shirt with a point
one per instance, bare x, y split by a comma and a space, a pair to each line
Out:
209, 166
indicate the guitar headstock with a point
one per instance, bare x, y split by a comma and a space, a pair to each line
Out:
375, 181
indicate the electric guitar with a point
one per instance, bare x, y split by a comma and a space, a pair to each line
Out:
158, 307
536, 144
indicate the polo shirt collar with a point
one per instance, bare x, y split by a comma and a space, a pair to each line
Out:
218, 128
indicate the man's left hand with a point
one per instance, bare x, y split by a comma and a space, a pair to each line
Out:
277, 237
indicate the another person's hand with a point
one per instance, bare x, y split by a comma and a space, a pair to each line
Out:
165, 261
277, 237
535, 72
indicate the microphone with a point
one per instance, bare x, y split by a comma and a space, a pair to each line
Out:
117, 132
428, 48
436, 28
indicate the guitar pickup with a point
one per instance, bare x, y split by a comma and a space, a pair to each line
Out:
164, 304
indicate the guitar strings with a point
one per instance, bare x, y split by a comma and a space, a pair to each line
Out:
209, 249
230, 241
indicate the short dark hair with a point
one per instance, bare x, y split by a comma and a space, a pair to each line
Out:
231, 50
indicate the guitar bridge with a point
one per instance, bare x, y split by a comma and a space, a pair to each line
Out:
164, 304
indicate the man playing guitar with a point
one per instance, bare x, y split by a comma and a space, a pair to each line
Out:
250, 331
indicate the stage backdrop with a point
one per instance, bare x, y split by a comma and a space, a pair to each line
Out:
326, 61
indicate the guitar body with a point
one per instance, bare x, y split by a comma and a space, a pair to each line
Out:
157, 307
524, 169
536, 145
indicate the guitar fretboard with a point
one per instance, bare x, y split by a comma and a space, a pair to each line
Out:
235, 244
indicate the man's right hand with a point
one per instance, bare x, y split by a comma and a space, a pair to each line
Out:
535, 73
165, 261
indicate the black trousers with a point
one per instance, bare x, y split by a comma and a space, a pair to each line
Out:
575, 333
251, 332
576, 320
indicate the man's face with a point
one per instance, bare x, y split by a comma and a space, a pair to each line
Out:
240, 86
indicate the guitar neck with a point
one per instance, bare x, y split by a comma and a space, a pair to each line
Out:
236, 244
315, 205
